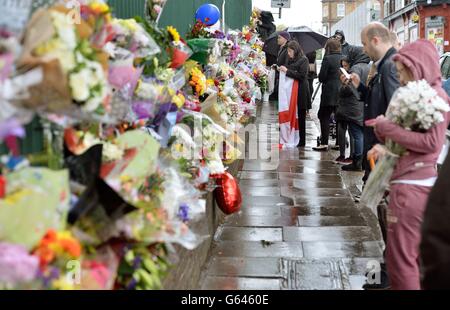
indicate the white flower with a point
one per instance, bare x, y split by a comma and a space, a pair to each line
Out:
215, 166
146, 91
417, 105
65, 30
112, 152
183, 136
79, 85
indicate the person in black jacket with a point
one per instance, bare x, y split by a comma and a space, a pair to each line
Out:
283, 38
346, 109
329, 76
435, 245
346, 48
312, 74
297, 69
266, 25
377, 96
354, 111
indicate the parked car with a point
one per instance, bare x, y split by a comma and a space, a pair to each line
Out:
445, 66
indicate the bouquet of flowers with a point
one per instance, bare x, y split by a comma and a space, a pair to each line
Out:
415, 107
260, 75
130, 36
199, 31
74, 71
198, 81
55, 252
154, 9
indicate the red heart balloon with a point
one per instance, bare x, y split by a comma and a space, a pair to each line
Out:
228, 195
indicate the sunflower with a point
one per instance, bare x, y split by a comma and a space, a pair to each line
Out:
173, 33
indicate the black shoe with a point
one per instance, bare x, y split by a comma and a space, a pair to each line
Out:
352, 168
356, 165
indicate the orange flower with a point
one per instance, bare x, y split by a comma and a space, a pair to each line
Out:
72, 247
46, 256
54, 244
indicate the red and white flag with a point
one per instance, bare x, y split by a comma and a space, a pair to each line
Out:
287, 108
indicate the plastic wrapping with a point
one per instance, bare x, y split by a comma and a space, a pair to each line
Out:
378, 182
132, 36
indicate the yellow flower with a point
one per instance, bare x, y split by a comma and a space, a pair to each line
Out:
99, 7
198, 81
47, 47
179, 100
173, 33
62, 284
130, 24
125, 178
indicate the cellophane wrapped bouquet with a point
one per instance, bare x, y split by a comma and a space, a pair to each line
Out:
415, 107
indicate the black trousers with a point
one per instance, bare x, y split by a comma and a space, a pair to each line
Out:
324, 117
311, 93
302, 124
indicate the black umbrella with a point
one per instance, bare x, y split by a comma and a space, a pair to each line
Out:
309, 40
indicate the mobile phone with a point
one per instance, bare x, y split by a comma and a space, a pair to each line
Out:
345, 73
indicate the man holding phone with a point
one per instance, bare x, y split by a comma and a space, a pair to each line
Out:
377, 95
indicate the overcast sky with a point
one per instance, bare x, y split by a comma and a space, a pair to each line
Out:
302, 13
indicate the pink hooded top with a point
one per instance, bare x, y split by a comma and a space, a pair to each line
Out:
422, 58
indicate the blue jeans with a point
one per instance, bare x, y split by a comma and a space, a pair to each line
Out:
357, 133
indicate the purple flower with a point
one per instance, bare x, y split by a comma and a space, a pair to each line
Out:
132, 285
48, 276
183, 212
219, 35
16, 265
137, 262
11, 127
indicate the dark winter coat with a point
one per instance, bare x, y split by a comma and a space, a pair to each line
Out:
329, 76
346, 49
283, 57
298, 70
435, 246
378, 95
351, 106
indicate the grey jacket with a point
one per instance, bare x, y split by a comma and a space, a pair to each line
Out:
350, 106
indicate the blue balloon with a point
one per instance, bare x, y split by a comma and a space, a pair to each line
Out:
209, 14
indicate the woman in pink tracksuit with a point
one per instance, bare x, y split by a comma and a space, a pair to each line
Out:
415, 172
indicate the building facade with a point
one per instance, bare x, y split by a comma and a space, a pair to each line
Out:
368, 11
420, 19
335, 10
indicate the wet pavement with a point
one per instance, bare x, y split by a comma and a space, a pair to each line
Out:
299, 228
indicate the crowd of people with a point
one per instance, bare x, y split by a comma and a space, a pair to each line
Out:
358, 85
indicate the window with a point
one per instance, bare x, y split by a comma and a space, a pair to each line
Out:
399, 4
325, 10
340, 9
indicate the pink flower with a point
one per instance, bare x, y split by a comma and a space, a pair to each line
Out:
17, 266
